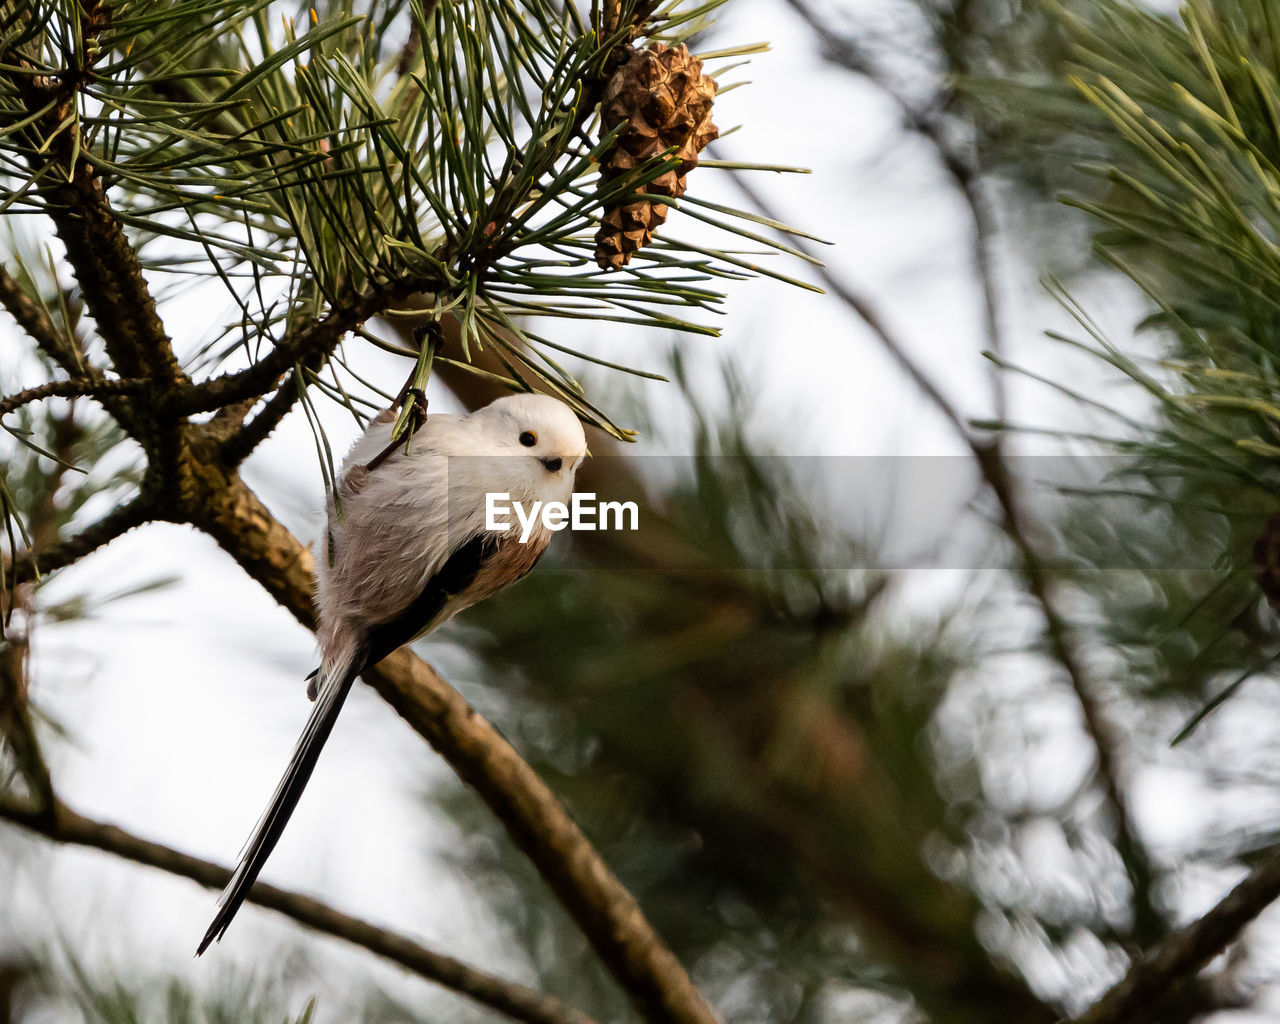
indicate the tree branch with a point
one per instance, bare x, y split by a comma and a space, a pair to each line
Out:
242, 443
71, 389
115, 523
33, 319
1139, 996
103, 259
314, 338
16, 726
603, 908
963, 169
601, 905
514, 1000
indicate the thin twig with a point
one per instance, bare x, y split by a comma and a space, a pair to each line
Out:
16, 726
516, 1001
867, 313
34, 319
105, 262
1147, 924
1139, 996
71, 389
314, 338
67, 353
115, 523
961, 167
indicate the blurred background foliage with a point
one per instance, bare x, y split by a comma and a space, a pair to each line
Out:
848, 795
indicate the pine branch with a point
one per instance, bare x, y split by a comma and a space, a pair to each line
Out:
16, 726
1175, 960
314, 339
368, 210
62, 553
312, 343
71, 389
371, 197
105, 264
509, 998
33, 319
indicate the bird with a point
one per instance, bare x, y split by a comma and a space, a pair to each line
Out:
406, 547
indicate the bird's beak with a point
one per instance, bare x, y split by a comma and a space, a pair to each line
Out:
552, 463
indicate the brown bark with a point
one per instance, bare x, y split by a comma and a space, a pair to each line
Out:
516, 1001
1170, 964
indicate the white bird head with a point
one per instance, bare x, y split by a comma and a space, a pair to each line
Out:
536, 427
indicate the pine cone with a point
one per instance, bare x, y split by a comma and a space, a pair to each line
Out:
1266, 562
666, 99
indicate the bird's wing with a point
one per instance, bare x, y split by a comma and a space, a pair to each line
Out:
434, 603
393, 532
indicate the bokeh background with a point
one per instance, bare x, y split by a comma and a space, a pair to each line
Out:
823, 740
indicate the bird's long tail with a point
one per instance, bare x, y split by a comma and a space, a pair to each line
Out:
336, 684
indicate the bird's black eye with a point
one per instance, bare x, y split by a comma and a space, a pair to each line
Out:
528, 439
